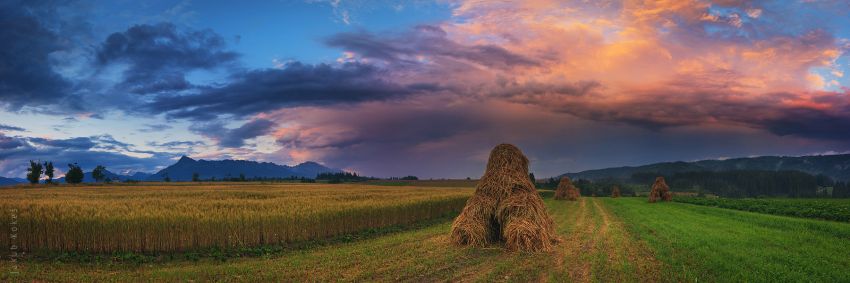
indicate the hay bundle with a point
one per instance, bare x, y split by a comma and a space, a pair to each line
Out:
660, 191
505, 207
615, 192
566, 190
573, 193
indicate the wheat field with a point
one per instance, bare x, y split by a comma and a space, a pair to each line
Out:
166, 217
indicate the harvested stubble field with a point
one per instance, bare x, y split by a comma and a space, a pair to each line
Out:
182, 217
603, 240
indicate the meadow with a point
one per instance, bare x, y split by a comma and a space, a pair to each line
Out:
828, 209
603, 240
167, 217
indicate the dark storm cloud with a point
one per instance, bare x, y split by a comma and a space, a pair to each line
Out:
160, 55
26, 42
11, 128
15, 152
296, 84
667, 107
391, 128
811, 123
427, 41
101, 142
9, 143
232, 138
72, 143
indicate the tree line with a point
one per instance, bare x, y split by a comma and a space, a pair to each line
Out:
732, 183
747, 183
74, 175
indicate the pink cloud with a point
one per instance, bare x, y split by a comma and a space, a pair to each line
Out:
531, 72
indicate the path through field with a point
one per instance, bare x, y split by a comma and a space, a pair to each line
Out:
597, 247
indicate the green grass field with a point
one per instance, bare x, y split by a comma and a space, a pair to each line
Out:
827, 209
604, 240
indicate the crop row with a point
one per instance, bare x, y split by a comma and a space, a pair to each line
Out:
144, 219
827, 209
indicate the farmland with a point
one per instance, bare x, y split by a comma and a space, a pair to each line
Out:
603, 239
828, 209
172, 218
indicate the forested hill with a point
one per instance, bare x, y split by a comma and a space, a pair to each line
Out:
836, 167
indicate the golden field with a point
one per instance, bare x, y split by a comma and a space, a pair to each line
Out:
168, 217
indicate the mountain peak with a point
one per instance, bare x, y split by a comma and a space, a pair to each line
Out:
185, 159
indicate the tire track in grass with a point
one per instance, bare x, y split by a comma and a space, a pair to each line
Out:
576, 245
627, 258
599, 248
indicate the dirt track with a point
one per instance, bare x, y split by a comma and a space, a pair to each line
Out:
600, 249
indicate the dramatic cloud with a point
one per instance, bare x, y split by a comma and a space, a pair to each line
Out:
426, 43
577, 84
88, 152
401, 138
234, 137
661, 64
26, 44
295, 84
159, 56
656, 68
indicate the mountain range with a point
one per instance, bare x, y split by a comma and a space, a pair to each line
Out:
208, 169
836, 167
11, 181
220, 169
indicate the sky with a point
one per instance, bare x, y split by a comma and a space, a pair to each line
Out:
425, 88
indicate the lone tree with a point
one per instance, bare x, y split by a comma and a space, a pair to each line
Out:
615, 192
74, 175
99, 173
48, 171
34, 172
196, 177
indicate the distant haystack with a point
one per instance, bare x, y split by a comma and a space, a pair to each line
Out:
615, 192
505, 207
660, 191
566, 190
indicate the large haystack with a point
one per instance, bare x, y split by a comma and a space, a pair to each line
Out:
505, 207
660, 191
615, 192
566, 190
